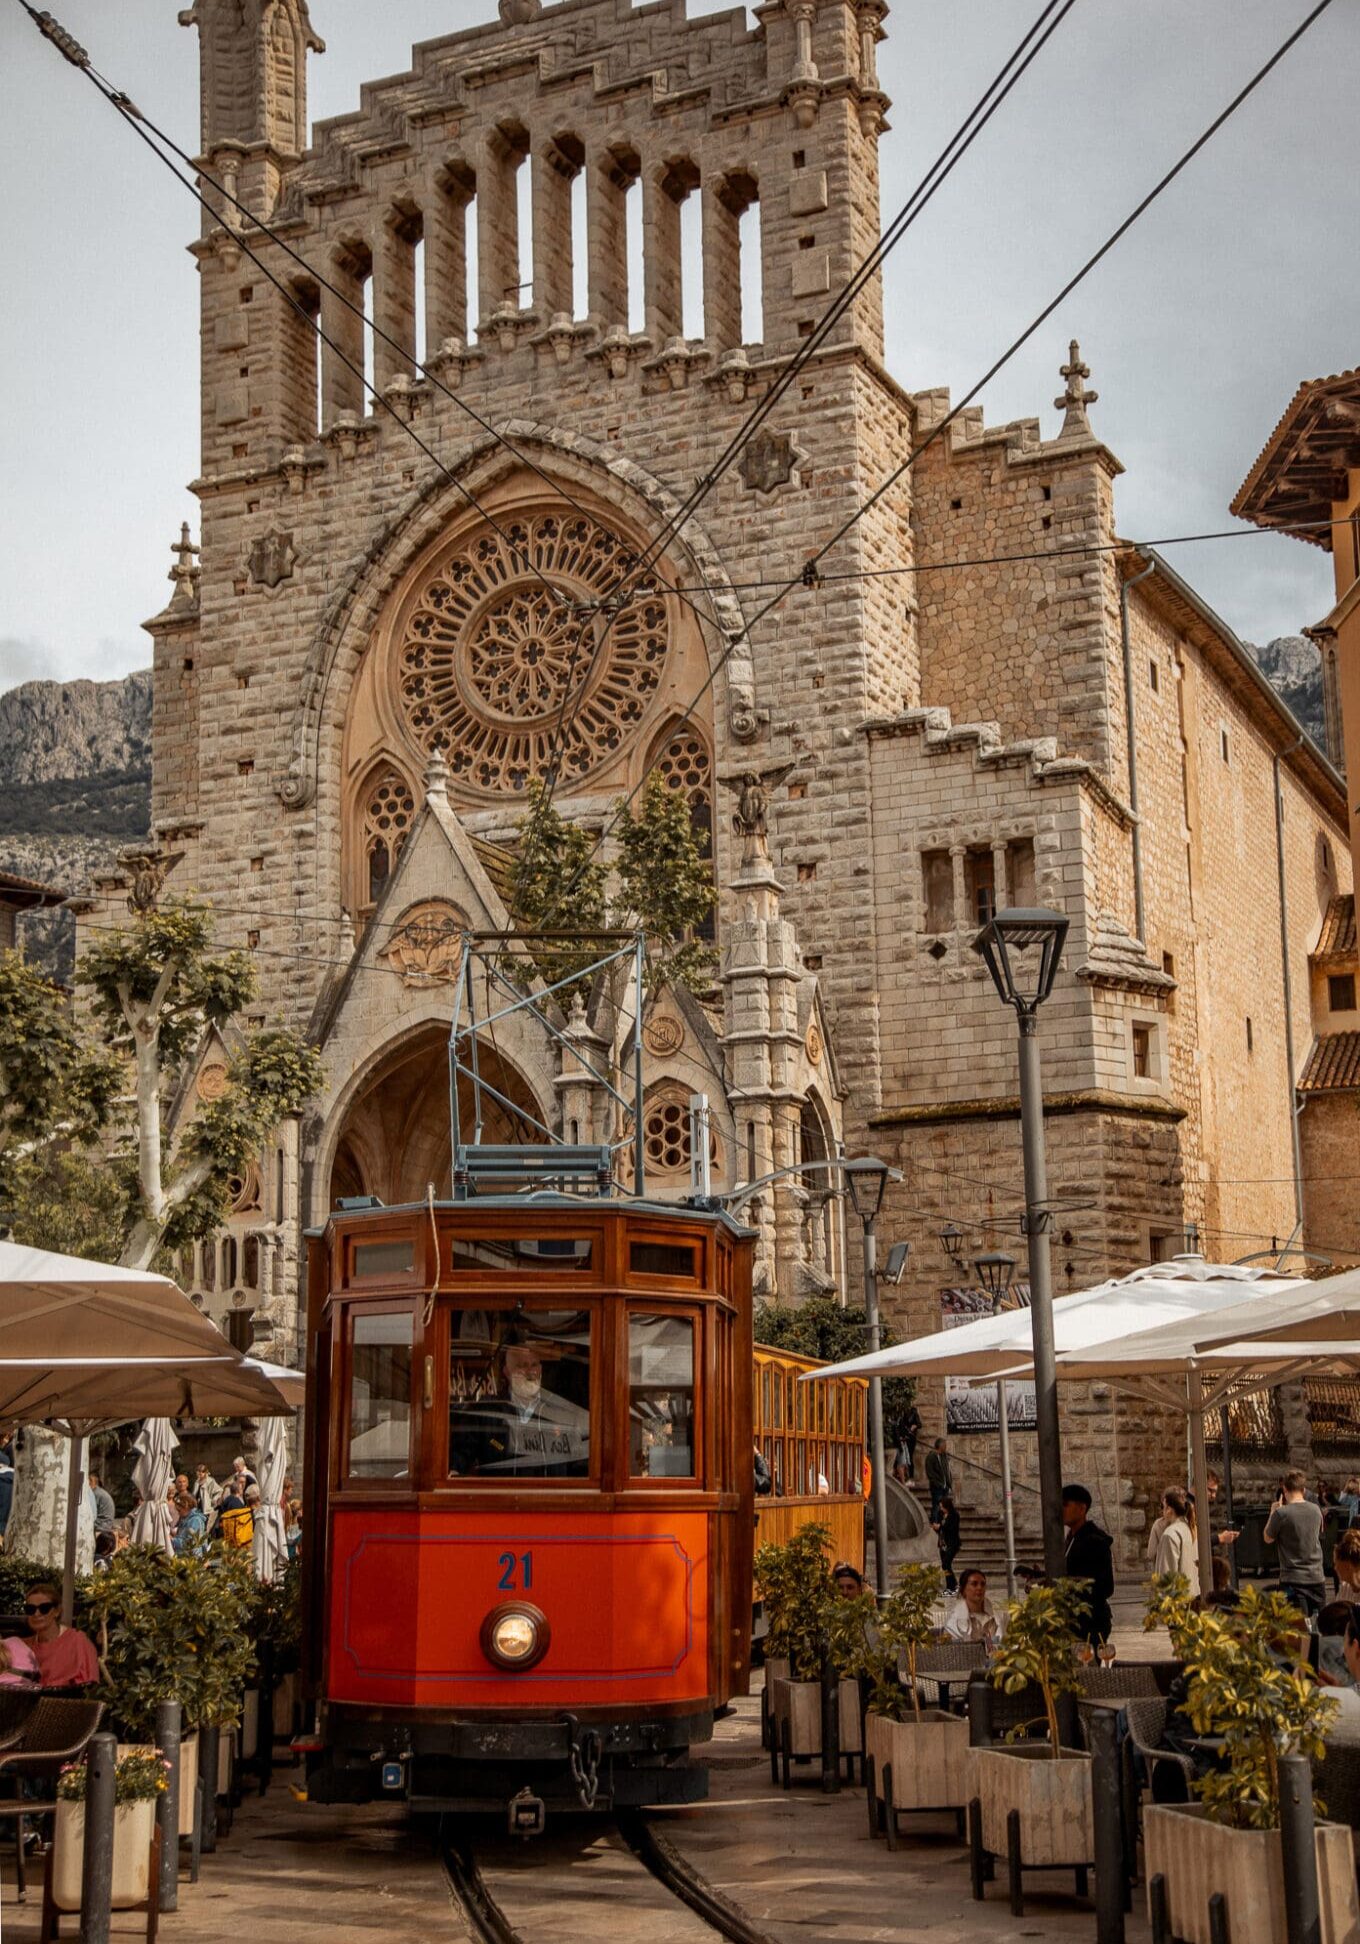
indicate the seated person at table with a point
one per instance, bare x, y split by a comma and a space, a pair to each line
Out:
18, 1663
66, 1658
1345, 1729
971, 1617
528, 1431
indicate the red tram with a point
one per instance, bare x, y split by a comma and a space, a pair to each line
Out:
529, 1478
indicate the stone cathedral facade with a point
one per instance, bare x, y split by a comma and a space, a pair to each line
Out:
364, 669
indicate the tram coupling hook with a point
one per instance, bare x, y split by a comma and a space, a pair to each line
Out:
584, 1751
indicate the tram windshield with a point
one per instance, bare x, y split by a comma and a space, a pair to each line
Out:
519, 1393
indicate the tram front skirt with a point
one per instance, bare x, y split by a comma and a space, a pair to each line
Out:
474, 1766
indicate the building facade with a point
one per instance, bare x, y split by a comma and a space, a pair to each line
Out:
367, 666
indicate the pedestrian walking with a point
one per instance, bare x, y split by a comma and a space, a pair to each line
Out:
939, 1476
1089, 1556
208, 1493
1177, 1549
949, 1538
908, 1431
104, 1513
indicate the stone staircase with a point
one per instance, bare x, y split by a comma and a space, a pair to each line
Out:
984, 1543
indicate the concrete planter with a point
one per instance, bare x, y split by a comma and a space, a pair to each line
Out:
250, 1724
285, 1707
1197, 1858
800, 1704
1052, 1795
134, 1824
928, 1758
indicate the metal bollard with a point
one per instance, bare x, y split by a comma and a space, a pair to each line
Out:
979, 1714
209, 1736
167, 1806
1107, 1810
831, 1727
1302, 1908
96, 1869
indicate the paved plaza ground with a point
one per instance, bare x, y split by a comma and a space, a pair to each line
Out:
801, 1865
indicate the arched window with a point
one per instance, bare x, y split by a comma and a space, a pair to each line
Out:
685, 764
387, 814
666, 1132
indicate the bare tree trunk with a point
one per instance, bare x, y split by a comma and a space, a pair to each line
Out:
37, 1520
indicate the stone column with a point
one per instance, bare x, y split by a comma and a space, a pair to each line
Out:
661, 257
607, 229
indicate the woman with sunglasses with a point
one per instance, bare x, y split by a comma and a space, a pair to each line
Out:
66, 1657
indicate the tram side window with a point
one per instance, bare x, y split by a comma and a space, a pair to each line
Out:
519, 1393
380, 1396
660, 1396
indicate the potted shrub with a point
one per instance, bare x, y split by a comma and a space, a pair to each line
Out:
1047, 1786
139, 1778
173, 1629
1243, 1683
795, 1587
920, 1755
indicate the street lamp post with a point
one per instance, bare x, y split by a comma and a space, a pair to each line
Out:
994, 1272
867, 1182
1021, 950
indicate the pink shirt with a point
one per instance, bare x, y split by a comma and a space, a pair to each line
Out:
21, 1662
68, 1660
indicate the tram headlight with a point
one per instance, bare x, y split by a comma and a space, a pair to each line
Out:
515, 1636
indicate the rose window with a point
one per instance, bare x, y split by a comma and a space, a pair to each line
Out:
492, 661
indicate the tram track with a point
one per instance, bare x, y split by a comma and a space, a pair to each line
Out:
493, 1888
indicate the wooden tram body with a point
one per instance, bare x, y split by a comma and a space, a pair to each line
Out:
497, 1598
810, 1435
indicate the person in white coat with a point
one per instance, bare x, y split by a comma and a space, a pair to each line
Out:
1177, 1549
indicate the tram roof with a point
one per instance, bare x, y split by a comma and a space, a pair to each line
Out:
539, 1200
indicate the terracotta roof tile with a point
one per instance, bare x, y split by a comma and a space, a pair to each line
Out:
1333, 1064
29, 891
1338, 928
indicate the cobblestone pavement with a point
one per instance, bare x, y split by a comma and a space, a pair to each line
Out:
802, 1865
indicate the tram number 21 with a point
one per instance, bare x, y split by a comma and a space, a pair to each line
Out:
517, 1572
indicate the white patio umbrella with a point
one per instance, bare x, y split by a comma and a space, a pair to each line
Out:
1327, 1310
271, 1542
1185, 1290
95, 1309
151, 1476
1162, 1292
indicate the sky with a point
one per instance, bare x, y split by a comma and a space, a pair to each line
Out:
1238, 284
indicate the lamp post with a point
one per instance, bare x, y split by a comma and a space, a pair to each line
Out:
1021, 950
994, 1272
867, 1181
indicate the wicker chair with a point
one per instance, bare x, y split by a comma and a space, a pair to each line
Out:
1126, 1681
54, 1733
949, 1664
1165, 1767
1337, 1780
16, 1705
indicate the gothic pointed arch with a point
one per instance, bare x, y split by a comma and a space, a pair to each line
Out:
379, 813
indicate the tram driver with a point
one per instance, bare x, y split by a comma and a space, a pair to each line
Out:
529, 1431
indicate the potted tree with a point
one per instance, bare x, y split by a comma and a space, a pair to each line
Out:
139, 1778
920, 1755
1032, 1797
173, 1629
795, 1587
1244, 1685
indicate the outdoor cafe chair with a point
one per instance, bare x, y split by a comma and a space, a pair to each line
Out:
54, 1733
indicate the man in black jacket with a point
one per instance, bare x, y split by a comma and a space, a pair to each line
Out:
1088, 1558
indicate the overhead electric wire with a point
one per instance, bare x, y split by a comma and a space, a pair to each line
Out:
147, 128
808, 577
1083, 549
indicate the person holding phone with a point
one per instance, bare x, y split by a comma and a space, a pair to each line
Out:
1295, 1526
